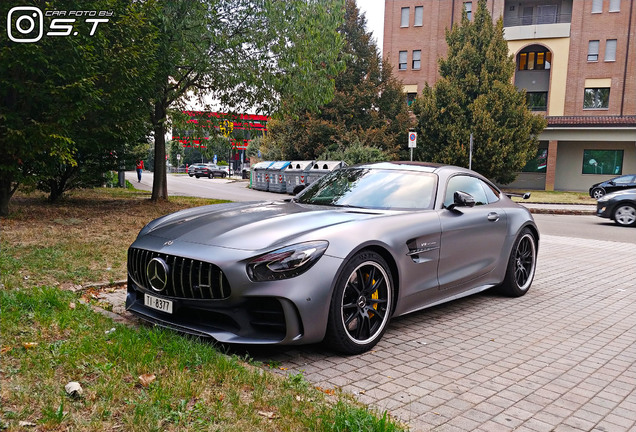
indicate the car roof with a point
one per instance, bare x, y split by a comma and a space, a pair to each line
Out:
429, 167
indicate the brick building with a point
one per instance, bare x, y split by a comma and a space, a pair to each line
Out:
576, 59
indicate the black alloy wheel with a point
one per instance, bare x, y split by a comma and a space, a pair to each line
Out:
361, 304
521, 265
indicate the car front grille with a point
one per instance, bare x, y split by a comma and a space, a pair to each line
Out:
187, 278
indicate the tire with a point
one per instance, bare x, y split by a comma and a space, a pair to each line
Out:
210, 175
191, 175
597, 193
521, 265
359, 313
223, 175
625, 215
197, 176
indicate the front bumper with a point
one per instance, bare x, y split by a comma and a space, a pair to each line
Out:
290, 311
604, 210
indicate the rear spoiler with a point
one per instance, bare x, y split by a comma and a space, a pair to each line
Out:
525, 196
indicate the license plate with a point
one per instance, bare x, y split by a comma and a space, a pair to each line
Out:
158, 303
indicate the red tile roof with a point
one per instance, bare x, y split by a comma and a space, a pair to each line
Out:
595, 121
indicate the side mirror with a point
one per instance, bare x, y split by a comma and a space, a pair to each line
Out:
462, 199
298, 189
612, 182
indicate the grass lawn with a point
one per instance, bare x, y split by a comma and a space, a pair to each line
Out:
132, 378
554, 197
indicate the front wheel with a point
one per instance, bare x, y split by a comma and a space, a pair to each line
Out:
360, 305
521, 265
598, 193
625, 215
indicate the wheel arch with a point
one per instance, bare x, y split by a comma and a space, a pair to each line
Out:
387, 256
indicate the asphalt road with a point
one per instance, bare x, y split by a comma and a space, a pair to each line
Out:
215, 188
585, 227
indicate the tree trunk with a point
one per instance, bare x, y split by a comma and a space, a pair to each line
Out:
6, 192
160, 183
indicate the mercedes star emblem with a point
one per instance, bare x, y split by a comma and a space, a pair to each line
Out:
157, 272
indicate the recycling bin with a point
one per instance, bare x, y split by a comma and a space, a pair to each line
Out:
275, 175
320, 168
296, 174
260, 178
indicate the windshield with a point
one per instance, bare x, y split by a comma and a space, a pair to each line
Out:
373, 188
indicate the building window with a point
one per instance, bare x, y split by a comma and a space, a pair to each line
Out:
597, 6
596, 98
535, 60
537, 101
410, 98
419, 16
610, 50
402, 62
615, 6
468, 7
592, 51
417, 57
404, 22
539, 164
603, 162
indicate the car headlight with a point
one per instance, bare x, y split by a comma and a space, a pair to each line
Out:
603, 198
287, 262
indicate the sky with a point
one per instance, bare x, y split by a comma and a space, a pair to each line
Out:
374, 11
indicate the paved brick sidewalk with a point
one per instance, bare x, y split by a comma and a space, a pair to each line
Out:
561, 358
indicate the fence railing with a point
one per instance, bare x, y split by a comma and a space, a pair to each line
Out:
537, 19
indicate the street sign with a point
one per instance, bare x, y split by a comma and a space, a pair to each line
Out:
412, 139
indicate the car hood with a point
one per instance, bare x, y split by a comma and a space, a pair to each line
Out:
621, 194
251, 226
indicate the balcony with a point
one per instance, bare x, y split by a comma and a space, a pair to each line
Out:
527, 20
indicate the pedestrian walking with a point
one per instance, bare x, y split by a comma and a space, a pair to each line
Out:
140, 168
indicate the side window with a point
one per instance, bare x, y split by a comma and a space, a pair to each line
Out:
491, 193
467, 184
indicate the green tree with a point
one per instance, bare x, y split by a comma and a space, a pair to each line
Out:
475, 95
247, 54
71, 106
369, 108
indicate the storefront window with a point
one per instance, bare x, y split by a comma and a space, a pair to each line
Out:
603, 162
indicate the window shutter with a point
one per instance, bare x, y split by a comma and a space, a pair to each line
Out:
610, 50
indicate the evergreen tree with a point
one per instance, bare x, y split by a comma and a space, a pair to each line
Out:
368, 110
475, 94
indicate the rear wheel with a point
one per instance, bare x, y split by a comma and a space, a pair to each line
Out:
361, 304
521, 265
210, 175
625, 215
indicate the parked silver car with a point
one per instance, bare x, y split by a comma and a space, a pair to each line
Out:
357, 247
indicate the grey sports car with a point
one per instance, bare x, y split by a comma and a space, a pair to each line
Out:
335, 263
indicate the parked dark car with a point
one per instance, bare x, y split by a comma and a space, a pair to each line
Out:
335, 263
209, 170
192, 168
617, 183
618, 206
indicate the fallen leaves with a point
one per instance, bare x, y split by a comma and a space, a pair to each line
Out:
146, 379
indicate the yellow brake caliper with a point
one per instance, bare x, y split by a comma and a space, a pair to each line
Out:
374, 296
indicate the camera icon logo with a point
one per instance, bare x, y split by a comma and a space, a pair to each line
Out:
25, 24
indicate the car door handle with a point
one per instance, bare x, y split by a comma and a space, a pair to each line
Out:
493, 216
